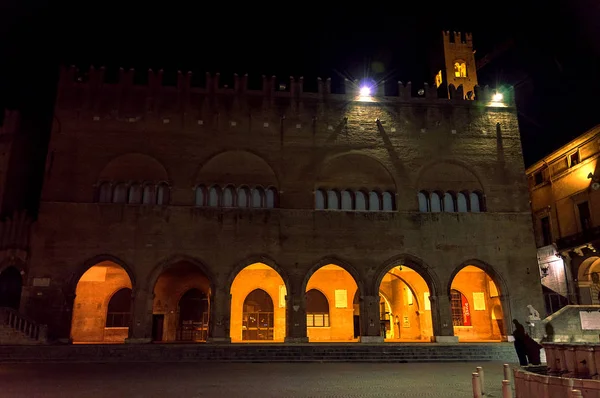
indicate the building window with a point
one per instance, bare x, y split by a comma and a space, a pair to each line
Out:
119, 309
361, 201
388, 201
538, 177
242, 197
460, 68
228, 197
162, 194
319, 199
461, 203
270, 198
374, 201
257, 197
585, 217
317, 309
346, 200
448, 202
423, 202
546, 231
148, 195
574, 159
475, 202
438, 79
461, 314
120, 194
257, 316
105, 195
135, 194
213, 197
435, 203
200, 196
333, 202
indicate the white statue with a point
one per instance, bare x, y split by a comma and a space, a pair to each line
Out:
534, 315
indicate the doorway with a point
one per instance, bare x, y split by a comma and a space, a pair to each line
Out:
11, 284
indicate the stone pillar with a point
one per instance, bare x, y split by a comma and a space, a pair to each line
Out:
295, 303
140, 327
220, 315
441, 314
370, 330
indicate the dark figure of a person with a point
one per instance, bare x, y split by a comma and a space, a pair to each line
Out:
533, 348
520, 342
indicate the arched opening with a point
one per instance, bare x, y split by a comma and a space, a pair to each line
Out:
337, 286
102, 307
258, 305
258, 316
11, 285
405, 312
476, 307
317, 309
193, 316
181, 304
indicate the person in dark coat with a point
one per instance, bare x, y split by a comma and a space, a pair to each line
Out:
532, 348
520, 342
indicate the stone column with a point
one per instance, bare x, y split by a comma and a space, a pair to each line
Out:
220, 315
441, 314
140, 327
295, 303
370, 330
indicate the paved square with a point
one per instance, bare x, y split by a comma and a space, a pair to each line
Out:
251, 380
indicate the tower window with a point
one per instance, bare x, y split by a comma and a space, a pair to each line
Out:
574, 159
438, 79
460, 69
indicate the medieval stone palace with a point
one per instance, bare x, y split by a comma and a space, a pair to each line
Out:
213, 211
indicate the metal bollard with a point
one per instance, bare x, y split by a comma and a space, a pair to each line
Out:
476, 386
576, 394
481, 379
506, 372
506, 390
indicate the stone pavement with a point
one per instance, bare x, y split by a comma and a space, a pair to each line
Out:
252, 380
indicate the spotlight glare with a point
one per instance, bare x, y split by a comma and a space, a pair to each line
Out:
365, 91
498, 97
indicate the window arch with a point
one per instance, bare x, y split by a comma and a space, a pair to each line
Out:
461, 203
228, 197
200, 196
448, 202
346, 200
148, 196
333, 200
257, 197
120, 194
257, 316
461, 311
374, 204
435, 202
271, 196
423, 201
317, 309
243, 197
388, 201
135, 194
118, 313
319, 199
105, 193
162, 194
213, 197
360, 200
475, 202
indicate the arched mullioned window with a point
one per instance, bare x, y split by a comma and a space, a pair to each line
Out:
201, 198
163, 194
449, 202
435, 202
374, 201
333, 200
388, 201
346, 200
476, 202
360, 201
105, 192
118, 313
258, 196
120, 193
319, 199
213, 196
271, 197
148, 194
135, 194
461, 202
228, 197
423, 198
243, 197
317, 309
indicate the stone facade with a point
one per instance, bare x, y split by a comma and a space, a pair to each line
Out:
203, 154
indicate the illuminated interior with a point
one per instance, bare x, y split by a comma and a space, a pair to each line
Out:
460, 69
258, 295
330, 312
405, 309
102, 307
181, 305
476, 308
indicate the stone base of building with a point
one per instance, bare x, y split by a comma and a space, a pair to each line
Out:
446, 339
370, 339
296, 340
219, 340
138, 340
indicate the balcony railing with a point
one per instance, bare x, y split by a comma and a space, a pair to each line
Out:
579, 238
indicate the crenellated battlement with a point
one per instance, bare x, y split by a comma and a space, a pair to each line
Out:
92, 85
460, 38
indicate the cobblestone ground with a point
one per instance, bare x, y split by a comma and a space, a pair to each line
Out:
230, 380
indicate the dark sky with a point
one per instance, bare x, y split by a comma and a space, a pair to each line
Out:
555, 58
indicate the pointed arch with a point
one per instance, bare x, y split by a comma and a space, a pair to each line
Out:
353, 271
496, 276
253, 259
71, 286
412, 262
166, 263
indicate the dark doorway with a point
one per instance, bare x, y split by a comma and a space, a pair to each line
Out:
11, 284
257, 316
118, 313
158, 321
193, 316
585, 217
356, 306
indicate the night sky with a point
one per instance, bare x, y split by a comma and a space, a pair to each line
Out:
554, 59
